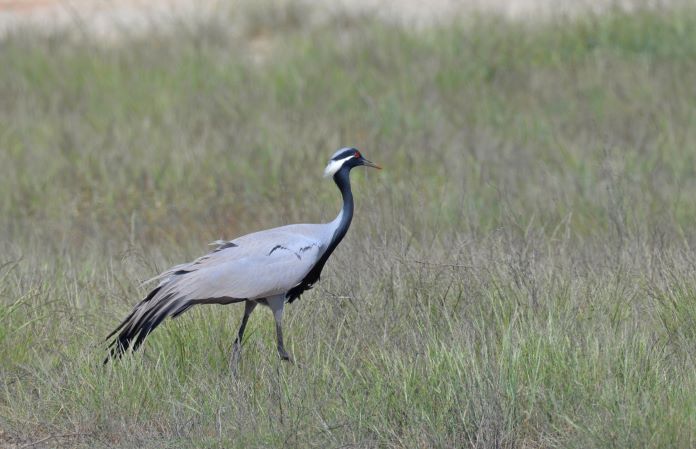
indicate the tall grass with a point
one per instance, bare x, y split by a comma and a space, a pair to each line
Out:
520, 275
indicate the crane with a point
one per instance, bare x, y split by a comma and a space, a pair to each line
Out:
270, 267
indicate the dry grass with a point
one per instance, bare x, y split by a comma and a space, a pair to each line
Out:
521, 275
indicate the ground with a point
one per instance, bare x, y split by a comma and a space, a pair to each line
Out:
111, 20
521, 274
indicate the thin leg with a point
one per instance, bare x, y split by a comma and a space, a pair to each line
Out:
277, 304
249, 307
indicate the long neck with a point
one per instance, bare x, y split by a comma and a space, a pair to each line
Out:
342, 221
339, 226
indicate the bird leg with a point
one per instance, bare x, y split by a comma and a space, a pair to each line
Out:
249, 307
281, 348
277, 304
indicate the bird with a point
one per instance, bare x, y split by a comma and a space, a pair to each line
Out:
270, 267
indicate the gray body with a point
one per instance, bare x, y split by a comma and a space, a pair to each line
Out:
269, 267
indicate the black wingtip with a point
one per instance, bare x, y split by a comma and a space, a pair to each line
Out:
116, 348
122, 341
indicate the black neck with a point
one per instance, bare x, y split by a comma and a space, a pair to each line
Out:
342, 180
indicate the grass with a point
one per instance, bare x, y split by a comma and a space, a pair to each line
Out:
520, 275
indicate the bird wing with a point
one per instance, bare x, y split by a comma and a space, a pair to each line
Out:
254, 266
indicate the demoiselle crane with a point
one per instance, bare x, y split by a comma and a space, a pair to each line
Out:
268, 267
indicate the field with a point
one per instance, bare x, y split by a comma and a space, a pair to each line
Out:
521, 274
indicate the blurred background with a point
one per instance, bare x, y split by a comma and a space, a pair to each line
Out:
520, 275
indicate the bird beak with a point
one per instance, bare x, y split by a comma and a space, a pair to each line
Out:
367, 163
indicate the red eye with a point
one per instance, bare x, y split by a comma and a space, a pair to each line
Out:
357, 154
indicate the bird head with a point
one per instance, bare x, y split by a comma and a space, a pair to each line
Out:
346, 159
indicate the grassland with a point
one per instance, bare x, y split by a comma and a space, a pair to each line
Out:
521, 275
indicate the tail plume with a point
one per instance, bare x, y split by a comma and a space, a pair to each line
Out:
166, 300
143, 319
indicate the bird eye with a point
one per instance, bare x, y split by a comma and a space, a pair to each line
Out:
357, 154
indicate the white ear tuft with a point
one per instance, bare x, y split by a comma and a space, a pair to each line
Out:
335, 166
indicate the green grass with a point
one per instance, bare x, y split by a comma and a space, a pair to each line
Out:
520, 275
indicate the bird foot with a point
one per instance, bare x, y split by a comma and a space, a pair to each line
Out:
285, 356
234, 359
